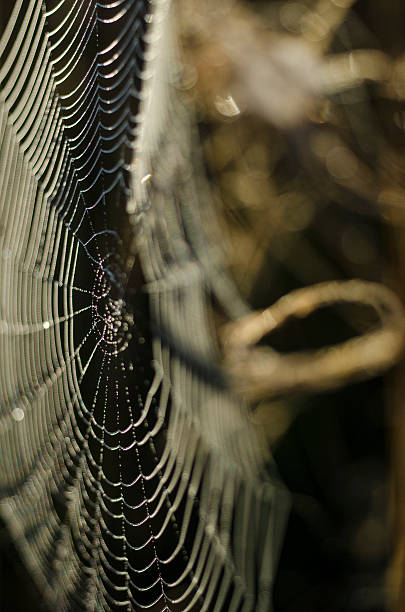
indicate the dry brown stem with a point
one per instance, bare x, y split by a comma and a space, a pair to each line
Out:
258, 373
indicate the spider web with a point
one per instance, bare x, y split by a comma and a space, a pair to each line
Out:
130, 478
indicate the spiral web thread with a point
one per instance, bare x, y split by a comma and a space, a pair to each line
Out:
129, 477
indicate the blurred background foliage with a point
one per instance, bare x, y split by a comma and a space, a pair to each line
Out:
303, 145
300, 110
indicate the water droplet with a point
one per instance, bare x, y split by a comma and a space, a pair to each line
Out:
18, 414
146, 178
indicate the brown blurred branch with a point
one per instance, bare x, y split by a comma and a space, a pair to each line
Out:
263, 372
